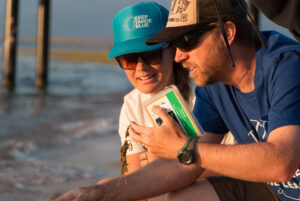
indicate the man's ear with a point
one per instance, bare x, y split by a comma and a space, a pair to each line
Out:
230, 30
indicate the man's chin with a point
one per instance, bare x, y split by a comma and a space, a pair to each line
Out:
202, 83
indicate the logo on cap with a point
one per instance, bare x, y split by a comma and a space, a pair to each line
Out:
182, 13
141, 21
178, 8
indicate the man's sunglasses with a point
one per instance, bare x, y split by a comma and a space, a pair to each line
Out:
129, 61
190, 40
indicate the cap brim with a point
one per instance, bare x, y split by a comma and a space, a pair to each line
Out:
132, 46
170, 33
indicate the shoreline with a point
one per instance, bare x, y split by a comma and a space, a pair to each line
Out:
73, 55
87, 50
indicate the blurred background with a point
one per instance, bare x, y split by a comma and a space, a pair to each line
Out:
64, 137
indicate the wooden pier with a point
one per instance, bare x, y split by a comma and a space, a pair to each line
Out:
10, 44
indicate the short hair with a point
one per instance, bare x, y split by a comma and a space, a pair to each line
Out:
245, 27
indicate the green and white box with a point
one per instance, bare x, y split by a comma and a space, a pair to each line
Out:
171, 100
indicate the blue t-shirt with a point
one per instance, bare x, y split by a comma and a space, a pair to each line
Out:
275, 102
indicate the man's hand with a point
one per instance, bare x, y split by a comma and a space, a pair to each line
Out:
163, 141
90, 193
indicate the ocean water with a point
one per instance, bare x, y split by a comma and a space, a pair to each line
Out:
82, 102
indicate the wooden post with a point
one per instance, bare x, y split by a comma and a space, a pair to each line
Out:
255, 14
42, 44
10, 44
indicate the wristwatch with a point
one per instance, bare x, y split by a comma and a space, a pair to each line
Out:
186, 154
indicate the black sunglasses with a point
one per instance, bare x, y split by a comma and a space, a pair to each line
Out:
129, 61
189, 41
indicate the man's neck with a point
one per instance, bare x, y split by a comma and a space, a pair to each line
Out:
244, 71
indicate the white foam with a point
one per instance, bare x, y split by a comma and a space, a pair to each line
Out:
98, 126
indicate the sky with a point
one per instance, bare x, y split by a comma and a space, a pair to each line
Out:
71, 18
90, 19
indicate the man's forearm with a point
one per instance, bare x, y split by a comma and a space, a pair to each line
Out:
159, 177
253, 162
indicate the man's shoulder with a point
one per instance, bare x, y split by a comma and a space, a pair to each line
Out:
277, 44
278, 48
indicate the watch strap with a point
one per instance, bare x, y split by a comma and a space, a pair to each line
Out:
190, 143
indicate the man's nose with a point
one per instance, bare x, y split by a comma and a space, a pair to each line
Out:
180, 56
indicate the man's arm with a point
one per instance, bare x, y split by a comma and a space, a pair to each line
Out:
158, 177
274, 160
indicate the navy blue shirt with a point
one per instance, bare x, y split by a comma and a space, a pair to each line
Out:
275, 102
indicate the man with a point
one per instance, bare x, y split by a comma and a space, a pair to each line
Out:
245, 88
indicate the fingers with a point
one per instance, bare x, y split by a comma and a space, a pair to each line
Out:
134, 134
142, 130
161, 113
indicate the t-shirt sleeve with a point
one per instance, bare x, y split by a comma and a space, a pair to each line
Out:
207, 114
285, 92
124, 122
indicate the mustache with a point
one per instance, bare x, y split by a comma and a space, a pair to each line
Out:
188, 65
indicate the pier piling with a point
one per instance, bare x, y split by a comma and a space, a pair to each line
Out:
10, 44
42, 44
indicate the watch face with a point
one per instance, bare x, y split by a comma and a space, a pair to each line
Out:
185, 157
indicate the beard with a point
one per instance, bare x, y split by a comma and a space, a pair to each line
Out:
212, 68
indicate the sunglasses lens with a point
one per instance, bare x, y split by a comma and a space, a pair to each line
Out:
153, 57
189, 41
128, 61
186, 43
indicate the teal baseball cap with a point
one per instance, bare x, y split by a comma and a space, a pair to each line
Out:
134, 24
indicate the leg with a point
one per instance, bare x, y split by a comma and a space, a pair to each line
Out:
200, 190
